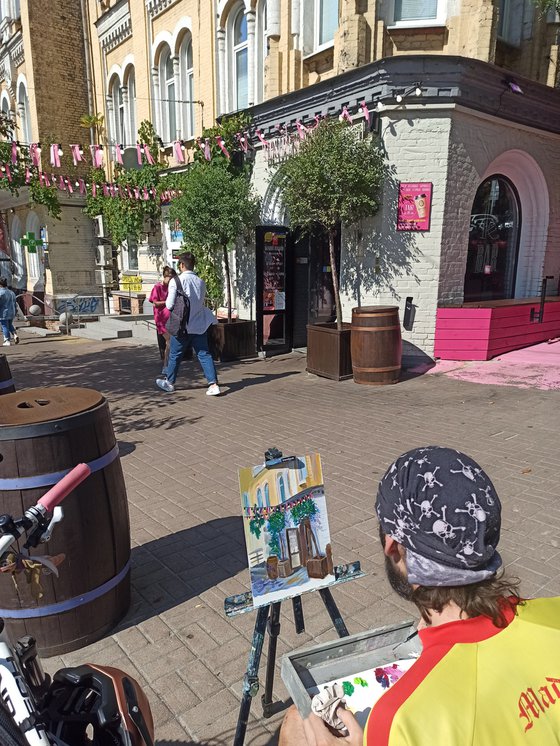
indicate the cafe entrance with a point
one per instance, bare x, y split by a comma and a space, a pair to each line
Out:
294, 286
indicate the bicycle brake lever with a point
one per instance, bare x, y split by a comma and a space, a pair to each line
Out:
57, 516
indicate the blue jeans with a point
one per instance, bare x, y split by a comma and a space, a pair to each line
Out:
199, 343
7, 328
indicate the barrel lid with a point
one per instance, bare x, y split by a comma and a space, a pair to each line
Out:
359, 310
46, 404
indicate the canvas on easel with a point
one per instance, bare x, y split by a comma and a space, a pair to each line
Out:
286, 528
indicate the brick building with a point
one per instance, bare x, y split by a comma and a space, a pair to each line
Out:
44, 89
182, 63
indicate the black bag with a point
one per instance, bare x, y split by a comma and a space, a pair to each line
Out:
179, 316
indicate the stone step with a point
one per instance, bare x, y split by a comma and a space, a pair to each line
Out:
101, 332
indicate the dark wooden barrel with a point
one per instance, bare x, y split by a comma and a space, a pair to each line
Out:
6, 380
376, 345
44, 433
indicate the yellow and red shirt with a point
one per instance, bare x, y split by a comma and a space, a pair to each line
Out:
478, 685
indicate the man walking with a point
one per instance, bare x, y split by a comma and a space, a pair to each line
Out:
489, 672
7, 312
196, 333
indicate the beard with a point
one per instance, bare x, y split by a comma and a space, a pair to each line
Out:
398, 581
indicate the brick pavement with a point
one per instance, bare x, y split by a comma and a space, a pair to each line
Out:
180, 455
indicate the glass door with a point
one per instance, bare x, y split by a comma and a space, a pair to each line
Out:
273, 265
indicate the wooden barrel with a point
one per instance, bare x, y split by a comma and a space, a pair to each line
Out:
376, 345
6, 380
44, 433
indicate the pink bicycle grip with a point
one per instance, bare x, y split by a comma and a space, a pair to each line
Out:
56, 494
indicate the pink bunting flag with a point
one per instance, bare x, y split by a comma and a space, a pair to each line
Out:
94, 188
55, 155
145, 194
46, 178
345, 115
136, 193
243, 141
149, 156
220, 141
14, 152
77, 154
302, 130
178, 151
8, 172
263, 142
27, 175
82, 185
105, 190
96, 156
139, 151
35, 154
317, 121
61, 184
366, 112
205, 147
129, 192
69, 186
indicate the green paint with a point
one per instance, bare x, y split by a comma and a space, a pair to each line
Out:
348, 688
360, 682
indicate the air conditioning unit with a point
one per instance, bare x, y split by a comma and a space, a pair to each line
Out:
149, 225
98, 227
103, 277
103, 254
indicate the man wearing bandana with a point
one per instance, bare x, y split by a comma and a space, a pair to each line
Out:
489, 672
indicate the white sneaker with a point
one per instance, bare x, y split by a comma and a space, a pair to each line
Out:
6, 343
16, 339
165, 385
213, 390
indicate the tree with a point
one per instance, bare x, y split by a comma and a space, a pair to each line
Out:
334, 179
214, 208
545, 6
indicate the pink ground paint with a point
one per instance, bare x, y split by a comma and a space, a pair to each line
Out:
533, 367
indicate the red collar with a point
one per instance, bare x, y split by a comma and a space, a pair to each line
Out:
464, 630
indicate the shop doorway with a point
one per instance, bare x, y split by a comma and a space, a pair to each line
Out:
493, 241
294, 286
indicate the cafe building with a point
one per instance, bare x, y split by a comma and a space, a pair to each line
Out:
475, 152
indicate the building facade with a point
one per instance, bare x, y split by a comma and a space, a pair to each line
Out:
182, 63
44, 90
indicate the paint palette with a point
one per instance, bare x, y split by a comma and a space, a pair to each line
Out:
362, 690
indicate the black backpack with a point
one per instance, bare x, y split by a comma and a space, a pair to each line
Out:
179, 316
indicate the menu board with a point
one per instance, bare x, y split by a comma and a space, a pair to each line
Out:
414, 207
274, 271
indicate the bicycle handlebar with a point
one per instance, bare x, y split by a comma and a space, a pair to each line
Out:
61, 489
47, 503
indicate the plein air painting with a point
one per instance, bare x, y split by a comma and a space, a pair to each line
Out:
286, 528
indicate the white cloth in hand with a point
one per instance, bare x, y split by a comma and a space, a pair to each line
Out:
325, 705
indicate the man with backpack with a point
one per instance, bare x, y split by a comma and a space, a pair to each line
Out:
8, 309
188, 325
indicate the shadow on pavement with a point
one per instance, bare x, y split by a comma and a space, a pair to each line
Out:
223, 739
167, 572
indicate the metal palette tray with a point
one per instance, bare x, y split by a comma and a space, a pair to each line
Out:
310, 667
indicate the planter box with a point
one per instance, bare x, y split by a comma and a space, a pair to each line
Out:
233, 341
317, 567
328, 351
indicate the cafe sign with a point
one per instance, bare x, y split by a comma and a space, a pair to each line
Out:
414, 206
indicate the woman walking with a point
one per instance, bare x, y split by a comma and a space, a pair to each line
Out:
158, 296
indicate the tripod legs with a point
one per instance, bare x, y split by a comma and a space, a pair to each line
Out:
273, 632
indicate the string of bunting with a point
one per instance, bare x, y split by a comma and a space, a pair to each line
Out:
283, 139
256, 511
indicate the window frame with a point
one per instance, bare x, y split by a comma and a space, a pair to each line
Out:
119, 112
168, 104
25, 126
317, 45
234, 50
261, 50
130, 85
439, 20
186, 76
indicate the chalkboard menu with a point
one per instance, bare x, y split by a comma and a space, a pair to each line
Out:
274, 271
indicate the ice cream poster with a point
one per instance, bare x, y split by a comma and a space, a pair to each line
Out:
415, 205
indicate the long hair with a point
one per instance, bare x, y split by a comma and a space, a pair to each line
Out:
491, 598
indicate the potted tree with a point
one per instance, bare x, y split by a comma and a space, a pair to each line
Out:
334, 179
216, 207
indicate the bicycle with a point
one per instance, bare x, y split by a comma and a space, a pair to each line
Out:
87, 705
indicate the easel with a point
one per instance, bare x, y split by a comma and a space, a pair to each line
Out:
268, 620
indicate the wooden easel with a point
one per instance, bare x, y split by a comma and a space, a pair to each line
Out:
268, 620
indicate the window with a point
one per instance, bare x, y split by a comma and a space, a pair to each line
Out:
187, 87
24, 114
260, 498
493, 241
281, 488
266, 495
131, 87
119, 132
240, 61
168, 96
131, 254
510, 21
326, 21
262, 49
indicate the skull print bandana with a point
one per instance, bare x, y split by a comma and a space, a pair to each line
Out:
441, 506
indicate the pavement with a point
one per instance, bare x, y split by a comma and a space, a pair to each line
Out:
180, 454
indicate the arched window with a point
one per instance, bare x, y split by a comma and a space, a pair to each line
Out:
19, 276
35, 259
260, 498
266, 495
7, 115
493, 241
131, 89
168, 96
119, 131
281, 488
240, 60
187, 87
261, 49
24, 114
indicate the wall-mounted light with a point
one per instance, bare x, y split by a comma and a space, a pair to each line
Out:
380, 106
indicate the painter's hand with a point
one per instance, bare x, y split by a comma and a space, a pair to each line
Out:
318, 734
